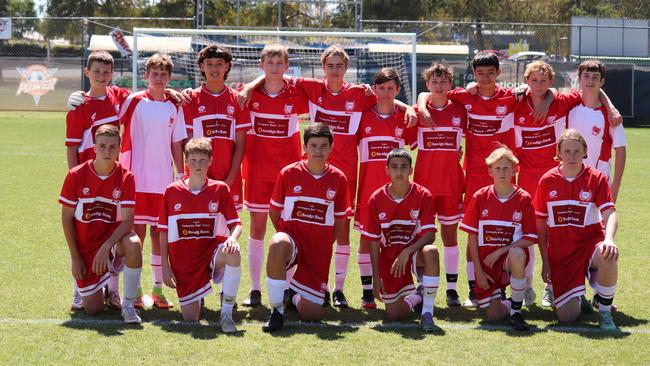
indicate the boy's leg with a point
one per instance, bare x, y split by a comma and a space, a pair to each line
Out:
516, 265
256, 256
230, 264
191, 312
429, 258
341, 260
529, 293
449, 235
281, 252
605, 287
77, 301
159, 300
141, 232
94, 304
365, 271
130, 248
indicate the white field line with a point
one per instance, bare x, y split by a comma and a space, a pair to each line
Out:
354, 325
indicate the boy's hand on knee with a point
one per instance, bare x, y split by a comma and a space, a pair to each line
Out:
377, 288
492, 258
483, 279
78, 269
168, 276
102, 259
609, 250
231, 246
399, 266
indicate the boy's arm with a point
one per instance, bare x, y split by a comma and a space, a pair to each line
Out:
609, 249
410, 116
399, 267
67, 221
237, 157
377, 285
231, 245
614, 116
619, 168
423, 98
541, 110
72, 156
102, 258
245, 94
168, 275
274, 215
177, 155
482, 279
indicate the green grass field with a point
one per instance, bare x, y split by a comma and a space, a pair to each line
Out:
36, 326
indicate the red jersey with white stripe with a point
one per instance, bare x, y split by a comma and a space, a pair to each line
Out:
273, 139
97, 201
486, 127
342, 112
196, 223
82, 122
378, 135
150, 127
573, 207
601, 137
438, 150
216, 117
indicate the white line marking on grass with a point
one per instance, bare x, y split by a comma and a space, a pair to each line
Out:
355, 325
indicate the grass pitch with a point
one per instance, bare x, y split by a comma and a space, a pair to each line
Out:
36, 326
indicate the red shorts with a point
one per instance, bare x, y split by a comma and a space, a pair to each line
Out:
473, 183
258, 195
360, 217
193, 275
449, 209
395, 287
93, 282
147, 206
236, 194
312, 271
501, 277
568, 272
528, 179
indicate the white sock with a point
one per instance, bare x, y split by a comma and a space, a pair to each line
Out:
606, 295
114, 283
530, 267
429, 289
451, 266
508, 305
517, 287
295, 300
276, 293
470, 271
255, 261
131, 281
412, 300
365, 269
230, 286
341, 260
290, 272
156, 271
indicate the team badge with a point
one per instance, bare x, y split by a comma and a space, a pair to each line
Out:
585, 195
484, 212
382, 215
516, 216
415, 213
36, 80
455, 120
117, 108
92, 118
468, 107
550, 119
201, 109
288, 108
368, 129
213, 206
398, 131
501, 109
235, 197
297, 189
117, 193
230, 109
552, 194
320, 100
85, 190
330, 194
177, 207
349, 105
522, 119
595, 130
256, 105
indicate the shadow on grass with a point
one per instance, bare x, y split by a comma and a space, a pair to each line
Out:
408, 328
108, 323
504, 327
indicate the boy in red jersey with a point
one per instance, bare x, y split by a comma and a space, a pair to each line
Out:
381, 130
199, 229
401, 228
500, 221
572, 202
101, 105
98, 199
154, 128
438, 153
273, 142
213, 113
308, 209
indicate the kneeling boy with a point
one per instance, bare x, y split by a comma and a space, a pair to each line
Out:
199, 228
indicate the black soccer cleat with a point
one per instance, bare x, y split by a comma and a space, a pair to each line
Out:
339, 299
288, 299
254, 299
518, 323
326, 300
275, 322
452, 298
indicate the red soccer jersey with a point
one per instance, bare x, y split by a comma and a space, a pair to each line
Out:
97, 202
486, 128
437, 167
573, 207
378, 135
216, 117
342, 112
398, 223
498, 222
273, 139
82, 123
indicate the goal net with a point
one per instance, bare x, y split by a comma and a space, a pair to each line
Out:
368, 52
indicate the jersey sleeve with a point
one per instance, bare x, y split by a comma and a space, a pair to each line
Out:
367, 101
229, 211
244, 121
127, 199
311, 87
539, 202
279, 192
568, 100
180, 130
470, 217
68, 196
188, 116
120, 93
372, 231
529, 227
618, 136
163, 211
411, 136
74, 127
459, 95
427, 215
603, 195
342, 200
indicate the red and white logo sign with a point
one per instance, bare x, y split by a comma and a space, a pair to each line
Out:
331, 193
595, 130
201, 109
288, 108
368, 129
484, 212
455, 120
349, 105
177, 207
552, 194
85, 190
117, 193
36, 80
230, 109
415, 214
92, 118
501, 109
120, 42
468, 107
297, 189
382, 215
213, 206
398, 131
585, 195
516, 216
256, 105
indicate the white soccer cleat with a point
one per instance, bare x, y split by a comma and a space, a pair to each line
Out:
77, 302
548, 298
529, 296
130, 315
227, 324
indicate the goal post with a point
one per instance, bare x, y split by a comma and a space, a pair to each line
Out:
369, 52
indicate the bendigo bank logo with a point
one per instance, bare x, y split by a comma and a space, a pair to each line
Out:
36, 80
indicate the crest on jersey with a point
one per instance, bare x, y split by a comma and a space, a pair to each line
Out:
230, 109
320, 100
368, 129
178, 206
297, 189
522, 119
415, 214
552, 194
213, 206
92, 118
484, 212
330, 193
516, 216
468, 107
550, 119
288, 108
256, 105
398, 131
382, 215
117, 193
501, 109
235, 197
585, 195
117, 108
455, 120
349, 105
85, 190
201, 109
595, 130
